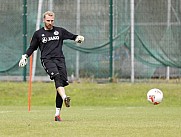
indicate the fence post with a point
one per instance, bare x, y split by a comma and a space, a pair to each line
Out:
132, 40
111, 39
24, 33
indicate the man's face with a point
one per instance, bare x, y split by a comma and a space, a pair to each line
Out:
49, 22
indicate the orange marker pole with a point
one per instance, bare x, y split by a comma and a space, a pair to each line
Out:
30, 84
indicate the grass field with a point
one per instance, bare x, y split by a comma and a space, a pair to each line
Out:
102, 110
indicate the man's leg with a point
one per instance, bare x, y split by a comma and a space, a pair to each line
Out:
60, 96
62, 81
66, 99
59, 84
52, 70
59, 102
61, 91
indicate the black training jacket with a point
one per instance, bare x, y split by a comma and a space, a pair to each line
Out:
49, 42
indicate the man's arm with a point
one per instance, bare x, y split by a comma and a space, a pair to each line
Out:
69, 35
33, 46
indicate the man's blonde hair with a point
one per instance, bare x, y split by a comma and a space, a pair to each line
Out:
49, 13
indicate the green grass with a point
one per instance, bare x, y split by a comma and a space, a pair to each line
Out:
119, 110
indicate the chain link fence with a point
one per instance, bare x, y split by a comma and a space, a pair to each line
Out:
156, 37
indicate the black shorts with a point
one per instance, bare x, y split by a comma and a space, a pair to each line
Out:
55, 67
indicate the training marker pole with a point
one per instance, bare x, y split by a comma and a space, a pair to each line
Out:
30, 84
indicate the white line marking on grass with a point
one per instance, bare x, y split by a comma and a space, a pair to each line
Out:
32, 111
6, 111
111, 108
134, 107
90, 109
41, 110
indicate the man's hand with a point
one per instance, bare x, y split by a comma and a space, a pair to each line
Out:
23, 61
79, 39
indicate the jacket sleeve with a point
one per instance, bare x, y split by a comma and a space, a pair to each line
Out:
33, 44
68, 35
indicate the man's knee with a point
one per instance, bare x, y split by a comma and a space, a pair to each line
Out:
58, 80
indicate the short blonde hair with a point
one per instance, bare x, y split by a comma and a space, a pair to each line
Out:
49, 13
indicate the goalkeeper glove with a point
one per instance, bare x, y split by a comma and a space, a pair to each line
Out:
23, 61
79, 39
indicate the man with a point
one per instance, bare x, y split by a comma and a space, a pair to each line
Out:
49, 39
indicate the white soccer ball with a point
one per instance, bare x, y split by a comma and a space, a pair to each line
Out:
155, 96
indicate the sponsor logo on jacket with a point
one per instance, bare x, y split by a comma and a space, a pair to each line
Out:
46, 39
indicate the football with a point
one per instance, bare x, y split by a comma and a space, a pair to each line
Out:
155, 96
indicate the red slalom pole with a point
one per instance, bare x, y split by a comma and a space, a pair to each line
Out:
30, 84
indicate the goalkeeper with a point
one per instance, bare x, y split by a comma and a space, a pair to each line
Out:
49, 39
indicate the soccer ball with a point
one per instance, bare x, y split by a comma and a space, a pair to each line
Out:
155, 96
